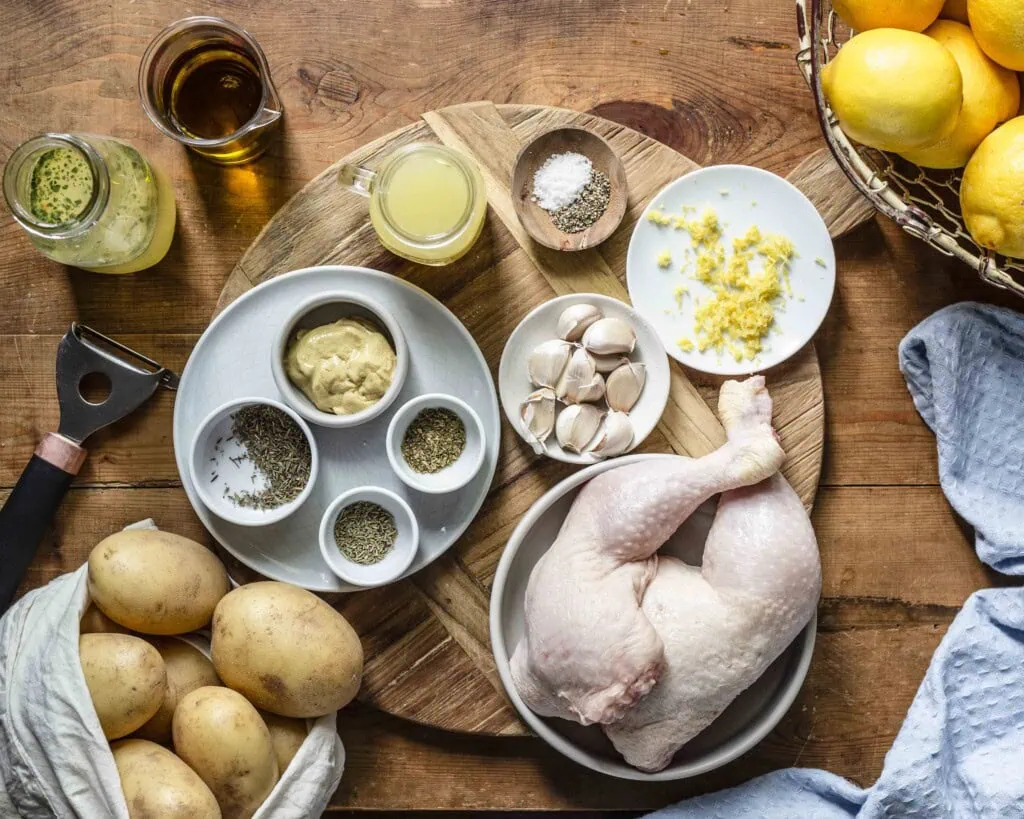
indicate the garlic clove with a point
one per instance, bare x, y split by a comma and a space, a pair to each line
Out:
578, 373
606, 363
624, 385
537, 414
575, 320
594, 391
609, 335
576, 425
547, 362
615, 437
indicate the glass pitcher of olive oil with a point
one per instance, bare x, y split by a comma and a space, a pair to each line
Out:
92, 202
427, 202
206, 83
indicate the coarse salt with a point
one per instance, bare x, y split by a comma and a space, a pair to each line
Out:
559, 181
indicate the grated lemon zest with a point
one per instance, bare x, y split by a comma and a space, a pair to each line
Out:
740, 313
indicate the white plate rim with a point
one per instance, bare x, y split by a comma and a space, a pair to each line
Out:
740, 368
742, 743
492, 424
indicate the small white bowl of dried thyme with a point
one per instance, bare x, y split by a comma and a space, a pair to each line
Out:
254, 461
436, 443
369, 536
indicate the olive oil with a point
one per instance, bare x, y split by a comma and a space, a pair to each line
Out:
214, 92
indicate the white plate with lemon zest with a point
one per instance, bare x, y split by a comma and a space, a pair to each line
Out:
734, 267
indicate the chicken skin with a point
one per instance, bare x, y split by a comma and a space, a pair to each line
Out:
724, 623
591, 651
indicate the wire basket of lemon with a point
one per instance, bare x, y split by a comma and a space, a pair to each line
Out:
920, 102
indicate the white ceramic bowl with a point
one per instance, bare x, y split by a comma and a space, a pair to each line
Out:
742, 196
540, 326
323, 309
397, 560
740, 727
215, 475
451, 477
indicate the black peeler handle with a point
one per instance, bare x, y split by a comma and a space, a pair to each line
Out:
31, 506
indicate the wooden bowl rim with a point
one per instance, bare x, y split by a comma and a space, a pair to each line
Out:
617, 168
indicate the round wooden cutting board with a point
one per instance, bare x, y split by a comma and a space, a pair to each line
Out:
426, 638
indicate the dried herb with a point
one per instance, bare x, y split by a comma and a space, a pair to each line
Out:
586, 208
365, 532
434, 440
278, 449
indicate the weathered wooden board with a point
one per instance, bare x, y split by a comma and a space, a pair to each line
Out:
427, 638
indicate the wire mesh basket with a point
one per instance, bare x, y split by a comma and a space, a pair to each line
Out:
924, 202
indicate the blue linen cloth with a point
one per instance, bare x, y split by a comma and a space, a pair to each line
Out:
960, 752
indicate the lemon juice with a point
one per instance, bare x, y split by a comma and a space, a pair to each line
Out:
427, 202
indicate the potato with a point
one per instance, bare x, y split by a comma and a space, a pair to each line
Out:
187, 669
286, 735
286, 650
126, 680
222, 738
158, 785
95, 621
156, 582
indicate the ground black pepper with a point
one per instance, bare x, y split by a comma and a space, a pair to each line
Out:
586, 208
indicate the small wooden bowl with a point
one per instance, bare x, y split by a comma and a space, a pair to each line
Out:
536, 220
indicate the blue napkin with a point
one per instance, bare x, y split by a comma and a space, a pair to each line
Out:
960, 752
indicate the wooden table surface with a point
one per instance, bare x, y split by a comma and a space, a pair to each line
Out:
715, 79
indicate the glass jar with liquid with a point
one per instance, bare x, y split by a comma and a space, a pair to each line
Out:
206, 83
92, 202
427, 202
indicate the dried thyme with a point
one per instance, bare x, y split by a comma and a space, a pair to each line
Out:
365, 532
586, 208
279, 451
434, 440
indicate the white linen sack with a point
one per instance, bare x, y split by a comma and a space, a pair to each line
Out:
54, 760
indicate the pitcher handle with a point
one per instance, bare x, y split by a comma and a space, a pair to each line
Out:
357, 179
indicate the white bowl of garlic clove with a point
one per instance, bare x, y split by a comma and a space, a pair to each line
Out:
583, 378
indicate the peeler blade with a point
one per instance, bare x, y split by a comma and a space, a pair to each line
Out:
132, 378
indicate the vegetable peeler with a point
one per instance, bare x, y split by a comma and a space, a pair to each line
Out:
132, 379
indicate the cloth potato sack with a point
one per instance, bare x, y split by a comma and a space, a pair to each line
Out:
54, 759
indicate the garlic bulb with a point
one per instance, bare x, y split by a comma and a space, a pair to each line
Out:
609, 335
606, 363
576, 425
578, 374
624, 386
547, 362
575, 320
537, 414
615, 436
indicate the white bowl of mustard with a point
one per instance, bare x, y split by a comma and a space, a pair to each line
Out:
351, 355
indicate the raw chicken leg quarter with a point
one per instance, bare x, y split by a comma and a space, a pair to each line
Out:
652, 648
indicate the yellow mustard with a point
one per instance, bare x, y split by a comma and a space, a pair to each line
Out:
343, 367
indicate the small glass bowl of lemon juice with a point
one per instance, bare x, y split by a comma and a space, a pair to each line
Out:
427, 202
92, 202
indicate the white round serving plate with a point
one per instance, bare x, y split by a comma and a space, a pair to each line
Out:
750, 717
540, 325
742, 196
232, 360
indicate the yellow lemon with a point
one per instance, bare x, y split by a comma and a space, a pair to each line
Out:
991, 96
913, 15
894, 90
955, 10
990, 194
998, 26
